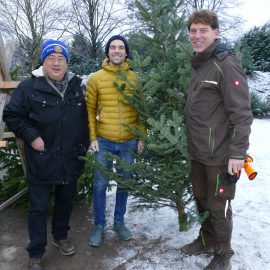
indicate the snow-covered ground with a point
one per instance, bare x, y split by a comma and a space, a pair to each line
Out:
259, 82
157, 239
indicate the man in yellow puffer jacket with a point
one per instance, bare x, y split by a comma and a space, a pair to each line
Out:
111, 119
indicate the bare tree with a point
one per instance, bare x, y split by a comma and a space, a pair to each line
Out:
28, 22
205, 4
96, 20
230, 23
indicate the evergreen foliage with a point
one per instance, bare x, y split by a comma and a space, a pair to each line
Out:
246, 58
256, 43
86, 180
80, 62
161, 172
258, 105
13, 179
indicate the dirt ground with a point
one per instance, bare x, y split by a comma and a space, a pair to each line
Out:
14, 238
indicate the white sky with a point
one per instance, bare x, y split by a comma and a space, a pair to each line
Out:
255, 12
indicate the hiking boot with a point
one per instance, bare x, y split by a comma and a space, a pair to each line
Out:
97, 236
65, 247
196, 248
219, 262
34, 264
122, 230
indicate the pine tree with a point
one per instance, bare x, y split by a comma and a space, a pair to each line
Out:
257, 41
161, 173
80, 61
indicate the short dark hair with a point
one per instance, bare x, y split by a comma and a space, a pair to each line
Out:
117, 37
204, 16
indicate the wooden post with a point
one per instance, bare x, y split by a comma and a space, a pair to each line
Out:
6, 85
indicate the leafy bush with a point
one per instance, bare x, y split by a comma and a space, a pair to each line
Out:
258, 105
13, 180
255, 45
86, 180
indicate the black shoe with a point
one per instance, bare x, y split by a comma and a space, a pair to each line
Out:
66, 248
34, 264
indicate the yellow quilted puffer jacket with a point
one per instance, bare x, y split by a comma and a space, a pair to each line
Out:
108, 114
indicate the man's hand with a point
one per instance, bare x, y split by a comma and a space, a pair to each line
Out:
38, 144
235, 165
94, 146
140, 146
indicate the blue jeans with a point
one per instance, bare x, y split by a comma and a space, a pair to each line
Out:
125, 151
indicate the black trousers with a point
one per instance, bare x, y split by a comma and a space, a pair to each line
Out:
39, 196
213, 194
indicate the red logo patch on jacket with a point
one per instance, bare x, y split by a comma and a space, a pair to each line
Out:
236, 83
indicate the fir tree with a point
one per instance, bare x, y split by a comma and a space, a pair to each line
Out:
257, 41
161, 173
81, 62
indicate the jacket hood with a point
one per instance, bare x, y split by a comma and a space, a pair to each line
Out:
220, 49
214, 49
39, 72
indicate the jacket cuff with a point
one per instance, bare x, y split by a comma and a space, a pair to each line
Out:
30, 135
237, 156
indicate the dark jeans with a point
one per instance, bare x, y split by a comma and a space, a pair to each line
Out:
125, 151
213, 194
37, 220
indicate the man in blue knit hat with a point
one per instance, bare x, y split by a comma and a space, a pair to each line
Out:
48, 113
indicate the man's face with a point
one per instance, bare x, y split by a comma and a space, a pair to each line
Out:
117, 52
55, 65
201, 36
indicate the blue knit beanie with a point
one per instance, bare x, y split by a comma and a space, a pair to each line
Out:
119, 38
53, 46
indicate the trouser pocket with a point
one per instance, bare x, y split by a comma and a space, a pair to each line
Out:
225, 189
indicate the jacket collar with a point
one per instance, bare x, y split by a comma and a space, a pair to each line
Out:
198, 58
39, 72
106, 65
42, 83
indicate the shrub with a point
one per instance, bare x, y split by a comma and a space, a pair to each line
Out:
258, 105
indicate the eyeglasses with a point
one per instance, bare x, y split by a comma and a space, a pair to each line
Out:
52, 59
121, 48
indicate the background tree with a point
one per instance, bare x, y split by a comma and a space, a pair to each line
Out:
80, 62
230, 23
94, 22
244, 53
28, 22
257, 43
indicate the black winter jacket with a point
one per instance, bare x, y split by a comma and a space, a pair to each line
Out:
36, 109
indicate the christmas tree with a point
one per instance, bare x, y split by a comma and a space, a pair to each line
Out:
161, 172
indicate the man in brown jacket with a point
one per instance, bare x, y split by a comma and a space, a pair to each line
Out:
218, 125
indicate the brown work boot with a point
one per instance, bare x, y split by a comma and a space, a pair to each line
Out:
196, 248
65, 247
219, 262
34, 264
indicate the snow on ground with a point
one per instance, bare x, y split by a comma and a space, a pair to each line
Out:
157, 239
259, 82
